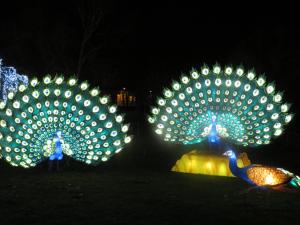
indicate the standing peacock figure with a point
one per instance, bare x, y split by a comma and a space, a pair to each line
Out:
259, 175
54, 117
214, 103
220, 104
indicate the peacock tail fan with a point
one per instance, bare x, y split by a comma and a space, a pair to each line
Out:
246, 109
88, 126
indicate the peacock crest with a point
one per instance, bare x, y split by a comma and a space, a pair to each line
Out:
220, 103
54, 113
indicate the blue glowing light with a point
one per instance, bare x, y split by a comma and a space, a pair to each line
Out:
213, 135
58, 153
10, 80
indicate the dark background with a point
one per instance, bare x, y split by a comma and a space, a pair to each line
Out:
145, 47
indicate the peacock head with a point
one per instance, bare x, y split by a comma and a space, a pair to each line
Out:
230, 154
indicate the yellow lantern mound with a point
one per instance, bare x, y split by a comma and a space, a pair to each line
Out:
209, 164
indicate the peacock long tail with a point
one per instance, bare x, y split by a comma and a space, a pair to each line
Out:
231, 104
53, 116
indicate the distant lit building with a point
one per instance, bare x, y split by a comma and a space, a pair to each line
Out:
124, 98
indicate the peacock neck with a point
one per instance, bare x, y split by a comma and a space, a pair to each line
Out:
233, 165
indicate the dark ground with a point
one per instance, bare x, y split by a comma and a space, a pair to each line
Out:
136, 187
139, 197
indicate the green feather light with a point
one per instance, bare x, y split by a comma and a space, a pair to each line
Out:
92, 131
248, 111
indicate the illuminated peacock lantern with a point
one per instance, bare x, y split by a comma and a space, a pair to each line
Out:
216, 104
54, 117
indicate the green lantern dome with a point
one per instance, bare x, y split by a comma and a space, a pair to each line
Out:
89, 128
235, 105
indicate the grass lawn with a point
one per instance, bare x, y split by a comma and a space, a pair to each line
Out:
138, 197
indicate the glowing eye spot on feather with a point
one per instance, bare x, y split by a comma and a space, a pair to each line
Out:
127, 139
207, 82
9, 138
198, 85
30, 109
57, 92
274, 116
277, 125
84, 86
78, 98
104, 100
112, 109
10, 95
195, 75
270, 106
185, 79
161, 102
176, 86
151, 119
34, 82
270, 89
169, 109
277, 98
247, 87
108, 125
59, 80
117, 143
263, 99
164, 118
168, 93
239, 72
125, 128
22, 88
47, 80
237, 83
68, 94
158, 131
72, 82
228, 70
216, 70
250, 75
95, 109
161, 126
2, 105
205, 71
218, 82
181, 96
35, 94
278, 132
87, 103
261, 81
288, 118
102, 117
284, 108
155, 111
119, 119
228, 83
104, 158
94, 92
16, 104
255, 92
189, 90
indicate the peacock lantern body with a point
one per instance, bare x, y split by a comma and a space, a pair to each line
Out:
53, 117
220, 105
259, 175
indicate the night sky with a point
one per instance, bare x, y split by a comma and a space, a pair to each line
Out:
144, 47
